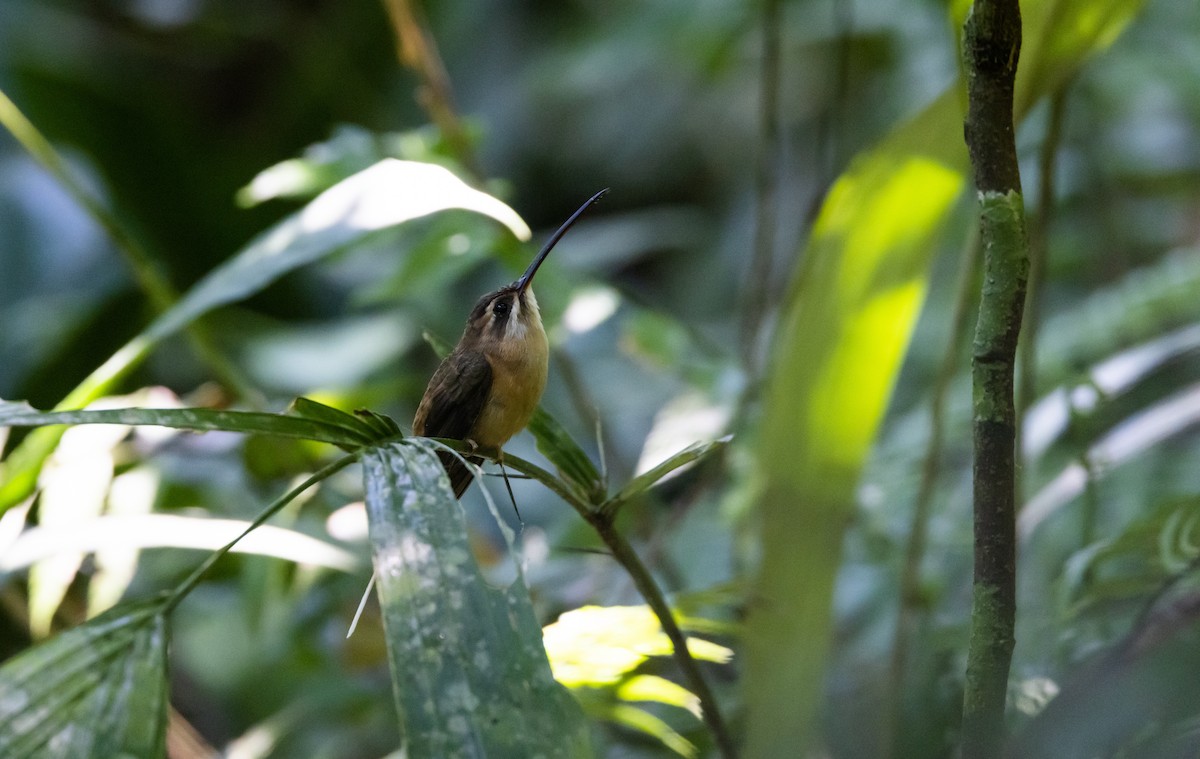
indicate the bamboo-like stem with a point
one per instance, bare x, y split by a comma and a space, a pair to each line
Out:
910, 574
418, 51
992, 44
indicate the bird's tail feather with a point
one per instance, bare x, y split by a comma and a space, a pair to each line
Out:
459, 473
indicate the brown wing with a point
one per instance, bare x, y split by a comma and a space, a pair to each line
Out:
453, 401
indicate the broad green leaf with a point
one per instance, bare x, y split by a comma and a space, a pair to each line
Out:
98, 691
469, 670
200, 419
387, 194
839, 346
560, 449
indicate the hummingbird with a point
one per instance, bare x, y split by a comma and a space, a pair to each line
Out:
487, 389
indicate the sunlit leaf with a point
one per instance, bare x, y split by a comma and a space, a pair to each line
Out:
387, 194
97, 691
468, 666
138, 531
75, 486
349, 149
643, 721
660, 690
600, 645
132, 494
199, 419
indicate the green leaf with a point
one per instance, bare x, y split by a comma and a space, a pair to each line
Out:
381, 425
14, 414
387, 194
598, 646
1138, 559
306, 408
140, 531
469, 670
648, 479
560, 449
645, 722
842, 336
348, 150
660, 690
98, 690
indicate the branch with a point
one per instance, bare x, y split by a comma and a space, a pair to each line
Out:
602, 520
649, 590
992, 44
418, 51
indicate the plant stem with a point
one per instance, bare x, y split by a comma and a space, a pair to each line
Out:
602, 520
992, 44
648, 588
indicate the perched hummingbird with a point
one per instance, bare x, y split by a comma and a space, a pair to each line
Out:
487, 389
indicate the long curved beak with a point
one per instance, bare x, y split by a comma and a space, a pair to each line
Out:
527, 277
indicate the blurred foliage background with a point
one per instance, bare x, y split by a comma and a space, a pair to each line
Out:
200, 123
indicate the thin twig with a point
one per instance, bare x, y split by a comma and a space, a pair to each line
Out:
418, 51
189, 583
649, 590
624, 554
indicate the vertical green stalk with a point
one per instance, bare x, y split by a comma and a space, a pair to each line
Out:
992, 44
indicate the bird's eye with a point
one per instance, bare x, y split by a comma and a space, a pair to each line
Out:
500, 309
